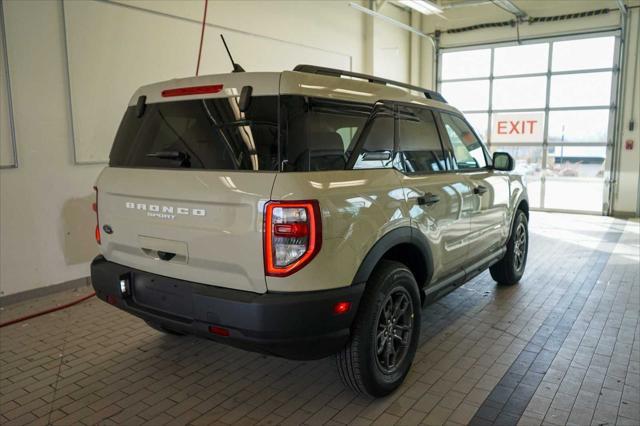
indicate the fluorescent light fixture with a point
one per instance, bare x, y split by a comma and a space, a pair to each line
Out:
423, 6
389, 20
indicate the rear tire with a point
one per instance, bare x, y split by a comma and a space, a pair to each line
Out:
509, 270
385, 333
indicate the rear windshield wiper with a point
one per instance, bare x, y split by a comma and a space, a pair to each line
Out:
240, 123
170, 155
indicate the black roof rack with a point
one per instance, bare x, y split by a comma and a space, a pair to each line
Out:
313, 69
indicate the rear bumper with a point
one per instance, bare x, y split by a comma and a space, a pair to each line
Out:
291, 325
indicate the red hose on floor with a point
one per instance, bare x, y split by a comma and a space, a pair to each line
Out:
47, 311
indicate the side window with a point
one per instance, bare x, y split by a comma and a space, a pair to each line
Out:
347, 134
315, 133
419, 141
377, 144
467, 149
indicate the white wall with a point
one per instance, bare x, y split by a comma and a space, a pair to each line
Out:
45, 217
163, 48
626, 192
46, 222
392, 45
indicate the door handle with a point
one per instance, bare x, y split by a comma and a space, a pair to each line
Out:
428, 199
479, 190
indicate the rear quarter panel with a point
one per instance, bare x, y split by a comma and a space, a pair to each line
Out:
358, 207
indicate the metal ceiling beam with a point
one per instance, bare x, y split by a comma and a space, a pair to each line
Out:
510, 7
622, 7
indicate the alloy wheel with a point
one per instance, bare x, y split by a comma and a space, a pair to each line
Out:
394, 330
520, 247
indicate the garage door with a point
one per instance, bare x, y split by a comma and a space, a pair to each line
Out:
549, 103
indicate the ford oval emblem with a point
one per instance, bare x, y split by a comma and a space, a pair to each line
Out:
107, 229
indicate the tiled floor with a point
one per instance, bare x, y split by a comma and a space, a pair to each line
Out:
561, 347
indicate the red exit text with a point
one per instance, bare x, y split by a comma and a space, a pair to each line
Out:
517, 127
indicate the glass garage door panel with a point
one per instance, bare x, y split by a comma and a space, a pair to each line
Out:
467, 95
467, 64
576, 90
579, 126
529, 164
526, 59
575, 178
519, 93
588, 53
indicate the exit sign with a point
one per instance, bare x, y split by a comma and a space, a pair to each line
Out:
517, 127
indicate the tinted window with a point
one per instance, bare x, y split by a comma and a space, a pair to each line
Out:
377, 142
419, 141
467, 148
318, 133
200, 134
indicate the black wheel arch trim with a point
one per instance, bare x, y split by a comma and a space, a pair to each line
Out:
522, 200
393, 238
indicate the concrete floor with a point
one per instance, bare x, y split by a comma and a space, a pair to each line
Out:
562, 347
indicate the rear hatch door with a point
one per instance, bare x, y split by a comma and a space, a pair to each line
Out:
188, 179
201, 226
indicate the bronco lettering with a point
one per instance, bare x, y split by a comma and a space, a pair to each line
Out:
165, 212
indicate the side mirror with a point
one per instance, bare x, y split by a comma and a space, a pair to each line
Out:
503, 161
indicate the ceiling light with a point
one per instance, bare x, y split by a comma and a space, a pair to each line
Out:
422, 6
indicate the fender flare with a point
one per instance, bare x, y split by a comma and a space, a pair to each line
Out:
402, 235
516, 206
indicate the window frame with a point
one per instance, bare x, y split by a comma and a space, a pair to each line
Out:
485, 151
358, 147
284, 124
445, 154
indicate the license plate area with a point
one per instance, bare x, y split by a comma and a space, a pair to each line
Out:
165, 295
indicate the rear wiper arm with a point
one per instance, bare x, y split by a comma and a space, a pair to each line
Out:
240, 123
170, 155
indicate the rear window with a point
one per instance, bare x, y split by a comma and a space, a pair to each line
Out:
200, 134
290, 134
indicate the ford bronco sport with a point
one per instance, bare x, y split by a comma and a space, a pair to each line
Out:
301, 214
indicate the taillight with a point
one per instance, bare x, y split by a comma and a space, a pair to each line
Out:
94, 206
292, 236
194, 90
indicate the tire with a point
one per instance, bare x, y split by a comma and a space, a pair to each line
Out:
360, 366
161, 329
510, 268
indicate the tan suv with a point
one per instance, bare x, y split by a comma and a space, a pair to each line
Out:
302, 214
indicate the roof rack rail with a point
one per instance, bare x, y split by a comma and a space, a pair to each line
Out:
313, 69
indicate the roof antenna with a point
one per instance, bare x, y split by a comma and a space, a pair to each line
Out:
236, 67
